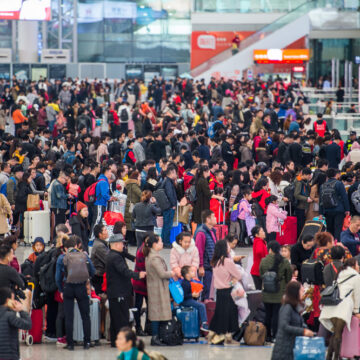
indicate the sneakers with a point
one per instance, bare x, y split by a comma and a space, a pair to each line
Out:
50, 338
204, 327
61, 341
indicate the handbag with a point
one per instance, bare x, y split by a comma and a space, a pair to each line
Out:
331, 295
33, 202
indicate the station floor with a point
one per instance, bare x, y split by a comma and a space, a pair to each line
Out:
193, 351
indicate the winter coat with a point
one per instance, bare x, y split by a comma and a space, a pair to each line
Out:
301, 194
21, 197
259, 252
180, 257
203, 199
354, 154
139, 285
5, 211
246, 153
157, 280
272, 218
133, 197
291, 325
80, 227
99, 253
351, 241
349, 305
10, 324
284, 275
343, 201
144, 214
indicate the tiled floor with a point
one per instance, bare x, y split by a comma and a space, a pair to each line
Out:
200, 351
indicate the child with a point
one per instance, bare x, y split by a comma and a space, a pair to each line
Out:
73, 188
188, 273
38, 248
216, 206
285, 252
184, 252
273, 217
295, 272
10, 323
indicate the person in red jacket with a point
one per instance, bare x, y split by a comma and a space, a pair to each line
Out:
216, 206
259, 252
260, 194
320, 126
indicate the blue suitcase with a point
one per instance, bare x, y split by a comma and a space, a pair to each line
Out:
189, 319
307, 348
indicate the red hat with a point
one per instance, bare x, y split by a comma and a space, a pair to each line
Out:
80, 205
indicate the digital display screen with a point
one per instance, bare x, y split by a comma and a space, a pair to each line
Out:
25, 10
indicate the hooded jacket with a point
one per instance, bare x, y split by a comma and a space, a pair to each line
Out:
354, 154
180, 257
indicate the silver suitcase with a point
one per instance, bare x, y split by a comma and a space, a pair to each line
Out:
78, 333
36, 224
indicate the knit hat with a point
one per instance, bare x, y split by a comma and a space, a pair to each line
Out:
116, 238
40, 240
80, 205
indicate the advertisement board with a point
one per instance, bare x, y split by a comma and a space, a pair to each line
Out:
281, 56
25, 10
207, 44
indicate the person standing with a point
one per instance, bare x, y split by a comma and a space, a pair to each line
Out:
259, 252
59, 199
334, 203
73, 271
119, 288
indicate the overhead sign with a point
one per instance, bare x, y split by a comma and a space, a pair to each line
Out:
281, 56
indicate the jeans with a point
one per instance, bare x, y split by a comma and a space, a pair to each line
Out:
78, 292
168, 216
271, 318
200, 308
207, 279
334, 223
155, 326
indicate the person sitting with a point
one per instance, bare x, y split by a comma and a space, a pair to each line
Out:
130, 346
351, 236
188, 273
184, 252
10, 323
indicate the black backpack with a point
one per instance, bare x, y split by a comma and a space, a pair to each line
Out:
312, 272
170, 332
270, 282
124, 116
328, 196
289, 192
47, 276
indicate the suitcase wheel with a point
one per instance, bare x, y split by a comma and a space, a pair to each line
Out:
29, 340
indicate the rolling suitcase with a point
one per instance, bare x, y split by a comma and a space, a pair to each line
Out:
36, 223
221, 229
312, 227
37, 325
288, 231
350, 345
189, 319
78, 334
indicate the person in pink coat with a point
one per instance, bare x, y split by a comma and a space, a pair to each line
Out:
274, 216
184, 252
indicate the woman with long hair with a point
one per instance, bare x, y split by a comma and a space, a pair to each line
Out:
151, 179
144, 215
225, 275
157, 281
274, 262
291, 323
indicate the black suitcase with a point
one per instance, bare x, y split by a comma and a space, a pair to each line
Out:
312, 272
312, 227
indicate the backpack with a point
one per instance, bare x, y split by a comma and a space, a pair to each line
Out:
170, 332
328, 197
125, 156
289, 192
124, 116
47, 276
76, 265
255, 334
355, 199
161, 198
190, 194
214, 127
270, 282
312, 272
90, 193
235, 212
3, 189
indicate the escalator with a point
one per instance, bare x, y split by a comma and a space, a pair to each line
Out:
277, 35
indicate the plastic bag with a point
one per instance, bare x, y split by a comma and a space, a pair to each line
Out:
176, 291
111, 217
237, 292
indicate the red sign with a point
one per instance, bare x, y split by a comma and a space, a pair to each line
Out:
207, 44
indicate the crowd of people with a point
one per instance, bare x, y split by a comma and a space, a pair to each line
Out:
204, 168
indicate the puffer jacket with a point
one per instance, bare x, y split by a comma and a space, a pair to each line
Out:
9, 326
354, 154
274, 214
180, 257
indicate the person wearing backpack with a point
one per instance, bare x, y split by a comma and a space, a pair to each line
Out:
302, 197
275, 272
334, 203
73, 271
335, 318
124, 116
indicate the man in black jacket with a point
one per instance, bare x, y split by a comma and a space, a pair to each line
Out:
119, 287
40, 179
295, 150
226, 151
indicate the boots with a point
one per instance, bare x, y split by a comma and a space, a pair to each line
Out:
140, 332
230, 341
155, 341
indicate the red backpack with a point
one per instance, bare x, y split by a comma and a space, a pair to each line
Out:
90, 193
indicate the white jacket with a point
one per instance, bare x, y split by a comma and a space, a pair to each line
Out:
350, 303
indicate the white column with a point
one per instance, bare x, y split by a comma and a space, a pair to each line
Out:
28, 41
